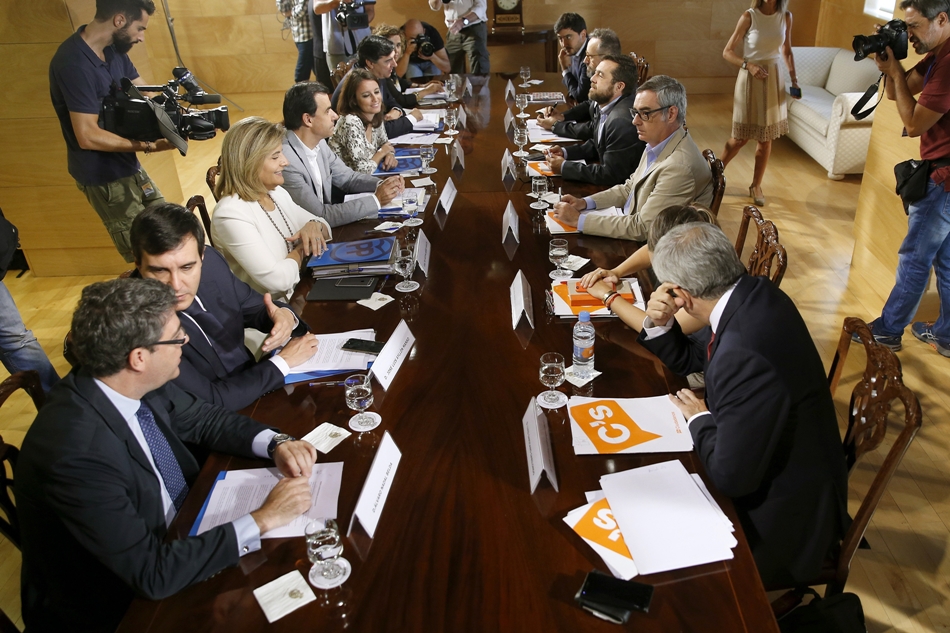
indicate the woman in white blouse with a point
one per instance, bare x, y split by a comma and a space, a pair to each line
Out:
359, 138
264, 235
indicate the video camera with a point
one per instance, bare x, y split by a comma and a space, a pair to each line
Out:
893, 34
424, 45
129, 114
348, 18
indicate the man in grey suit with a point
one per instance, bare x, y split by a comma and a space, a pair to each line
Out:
104, 469
313, 170
672, 170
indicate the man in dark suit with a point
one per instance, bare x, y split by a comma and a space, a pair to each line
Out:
313, 171
767, 433
612, 148
104, 470
215, 307
571, 30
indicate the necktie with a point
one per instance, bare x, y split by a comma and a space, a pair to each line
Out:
165, 459
709, 346
232, 352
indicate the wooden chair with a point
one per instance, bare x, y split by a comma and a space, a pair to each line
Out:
767, 247
212, 177
198, 202
29, 381
340, 71
871, 401
643, 68
718, 179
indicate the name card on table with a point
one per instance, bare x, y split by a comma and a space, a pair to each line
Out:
467, 88
508, 167
537, 443
376, 487
520, 292
394, 353
510, 91
457, 155
448, 195
423, 250
509, 119
509, 222
463, 118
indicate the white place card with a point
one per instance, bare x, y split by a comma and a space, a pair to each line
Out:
284, 595
520, 293
467, 88
457, 155
444, 140
509, 222
463, 118
505, 159
510, 91
537, 442
423, 182
376, 487
394, 353
423, 250
448, 195
509, 119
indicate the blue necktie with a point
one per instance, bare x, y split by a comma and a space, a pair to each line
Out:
229, 346
165, 459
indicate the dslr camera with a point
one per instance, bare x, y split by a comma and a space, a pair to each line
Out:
129, 114
348, 17
424, 45
893, 34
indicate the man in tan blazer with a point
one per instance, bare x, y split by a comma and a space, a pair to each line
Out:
672, 170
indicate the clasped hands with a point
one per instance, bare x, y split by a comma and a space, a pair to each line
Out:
291, 496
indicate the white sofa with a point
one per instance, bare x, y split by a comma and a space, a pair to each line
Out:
821, 122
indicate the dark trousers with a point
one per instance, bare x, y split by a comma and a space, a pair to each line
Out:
304, 61
322, 70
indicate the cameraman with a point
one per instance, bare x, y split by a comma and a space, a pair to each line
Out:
340, 36
927, 244
420, 64
82, 73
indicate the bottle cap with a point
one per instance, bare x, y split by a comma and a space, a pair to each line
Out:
584, 316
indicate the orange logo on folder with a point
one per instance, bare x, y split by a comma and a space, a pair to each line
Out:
609, 427
598, 526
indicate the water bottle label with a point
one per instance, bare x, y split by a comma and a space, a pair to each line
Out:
584, 353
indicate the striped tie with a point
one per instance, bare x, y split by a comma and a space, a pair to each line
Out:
165, 459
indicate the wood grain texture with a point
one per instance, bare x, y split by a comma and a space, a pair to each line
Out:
34, 22
35, 153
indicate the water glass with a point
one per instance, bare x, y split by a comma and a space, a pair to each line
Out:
525, 76
539, 187
426, 153
324, 549
521, 139
410, 207
558, 254
359, 397
552, 376
451, 85
451, 118
521, 100
405, 264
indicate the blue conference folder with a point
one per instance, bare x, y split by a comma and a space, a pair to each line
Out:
355, 256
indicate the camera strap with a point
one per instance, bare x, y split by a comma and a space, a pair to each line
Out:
867, 96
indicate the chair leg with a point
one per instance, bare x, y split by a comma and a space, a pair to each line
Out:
835, 176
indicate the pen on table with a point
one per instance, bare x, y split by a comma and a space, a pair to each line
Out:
326, 383
383, 284
559, 193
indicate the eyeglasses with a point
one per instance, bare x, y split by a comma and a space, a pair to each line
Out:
646, 114
171, 341
589, 56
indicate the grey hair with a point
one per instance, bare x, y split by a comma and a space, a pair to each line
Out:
609, 42
699, 258
117, 316
669, 92
927, 8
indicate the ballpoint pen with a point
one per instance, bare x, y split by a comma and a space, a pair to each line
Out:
326, 383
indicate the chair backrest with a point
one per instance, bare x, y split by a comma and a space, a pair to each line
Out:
29, 381
767, 251
198, 202
212, 177
340, 71
718, 179
643, 68
871, 401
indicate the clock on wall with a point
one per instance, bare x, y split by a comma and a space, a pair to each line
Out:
508, 13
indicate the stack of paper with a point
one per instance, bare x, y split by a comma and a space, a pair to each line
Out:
370, 256
415, 138
543, 168
595, 523
430, 121
555, 227
537, 134
563, 308
330, 357
627, 425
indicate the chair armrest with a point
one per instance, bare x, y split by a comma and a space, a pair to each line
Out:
841, 110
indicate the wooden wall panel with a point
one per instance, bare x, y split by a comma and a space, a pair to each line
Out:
34, 153
840, 20
92, 261
26, 93
53, 217
33, 22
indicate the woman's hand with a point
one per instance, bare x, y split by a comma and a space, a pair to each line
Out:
601, 274
313, 238
757, 71
389, 162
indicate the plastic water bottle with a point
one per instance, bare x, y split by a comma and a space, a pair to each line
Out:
583, 345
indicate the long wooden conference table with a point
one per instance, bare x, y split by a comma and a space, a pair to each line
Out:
462, 544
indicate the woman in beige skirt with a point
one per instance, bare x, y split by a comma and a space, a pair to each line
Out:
759, 113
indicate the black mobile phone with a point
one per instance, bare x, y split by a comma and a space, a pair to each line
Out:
363, 346
355, 282
535, 156
611, 598
795, 92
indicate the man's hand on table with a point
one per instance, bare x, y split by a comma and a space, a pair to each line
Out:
687, 402
568, 209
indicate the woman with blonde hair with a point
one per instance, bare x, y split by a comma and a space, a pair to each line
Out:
359, 138
759, 112
264, 235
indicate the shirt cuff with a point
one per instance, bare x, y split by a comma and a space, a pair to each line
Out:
580, 221
280, 363
652, 331
696, 415
379, 205
261, 441
564, 72
590, 203
248, 534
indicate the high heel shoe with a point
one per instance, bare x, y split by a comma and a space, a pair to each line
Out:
759, 200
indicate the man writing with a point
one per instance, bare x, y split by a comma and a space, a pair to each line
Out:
671, 171
104, 470
571, 32
927, 243
613, 143
215, 307
82, 74
767, 433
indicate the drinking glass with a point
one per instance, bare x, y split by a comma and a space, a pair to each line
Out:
451, 118
410, 206
451, 85
324, 548
521, 139
405, 264
427, 153
539, 187
558, 254
359, 397
525, 76
552, 375
521, 100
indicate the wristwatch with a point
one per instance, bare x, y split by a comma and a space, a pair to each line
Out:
465, 21
277, 440
745, 64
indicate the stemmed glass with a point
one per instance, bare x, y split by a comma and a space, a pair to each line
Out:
405, 264
521, 100
359, 397
451, 84
552, 375
411, 202
525, 76
451, 118
558, 254
426, 153
521, 139
324, 549
539, 187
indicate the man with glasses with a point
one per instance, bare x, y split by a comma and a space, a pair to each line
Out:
571, 32
104, 469
612, 149
672, 170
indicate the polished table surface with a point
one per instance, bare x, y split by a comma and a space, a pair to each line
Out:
462, 544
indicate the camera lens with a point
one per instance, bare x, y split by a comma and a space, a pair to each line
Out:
865, 45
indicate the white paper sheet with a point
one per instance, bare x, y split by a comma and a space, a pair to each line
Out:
415, 138
554, 228
590, 523
331, 356
627, 425
284, 595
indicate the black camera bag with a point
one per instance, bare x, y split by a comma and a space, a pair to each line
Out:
912, 176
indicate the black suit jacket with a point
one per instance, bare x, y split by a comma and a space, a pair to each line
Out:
617, 153
91, 511
770, 440
394, 128
575, 79
576, 123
